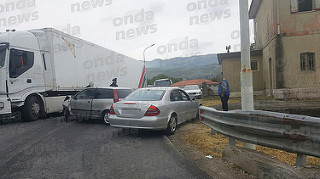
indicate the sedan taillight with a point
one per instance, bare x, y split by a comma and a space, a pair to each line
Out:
112, 110
115, 96
152, 111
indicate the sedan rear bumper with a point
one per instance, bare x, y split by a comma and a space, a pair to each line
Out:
147, 122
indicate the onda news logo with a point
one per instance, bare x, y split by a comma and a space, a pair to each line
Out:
136, 24
18, 12
88, 5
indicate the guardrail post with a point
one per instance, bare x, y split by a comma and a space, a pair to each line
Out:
213, 132
301, 160
232, 141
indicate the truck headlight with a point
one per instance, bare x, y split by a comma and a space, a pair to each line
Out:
1, 105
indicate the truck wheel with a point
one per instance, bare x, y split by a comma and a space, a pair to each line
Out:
31, 109
105, 117
172, 126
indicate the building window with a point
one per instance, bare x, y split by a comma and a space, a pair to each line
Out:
305, 5
307, 61
254, 65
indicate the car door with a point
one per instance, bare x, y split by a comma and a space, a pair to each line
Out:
190, 109
102, 101
25, 74
178, 105
82, 102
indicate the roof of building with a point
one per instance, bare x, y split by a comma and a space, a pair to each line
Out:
222, 56
254, 8
194, 82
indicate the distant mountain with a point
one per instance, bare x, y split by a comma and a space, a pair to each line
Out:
183, 62
195, 67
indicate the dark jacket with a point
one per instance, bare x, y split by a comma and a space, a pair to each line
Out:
224, 88
114, 85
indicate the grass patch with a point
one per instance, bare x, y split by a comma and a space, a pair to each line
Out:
216, 101
212, 101
200, 137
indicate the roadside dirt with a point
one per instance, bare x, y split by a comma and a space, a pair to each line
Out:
215, 167
194, 139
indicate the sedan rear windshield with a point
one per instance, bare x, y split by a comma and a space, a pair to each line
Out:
146, 95
122, 93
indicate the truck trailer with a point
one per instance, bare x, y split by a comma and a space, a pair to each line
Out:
39, 68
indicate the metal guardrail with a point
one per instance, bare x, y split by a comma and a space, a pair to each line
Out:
292, 133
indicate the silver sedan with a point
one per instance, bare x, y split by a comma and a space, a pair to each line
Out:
154, 108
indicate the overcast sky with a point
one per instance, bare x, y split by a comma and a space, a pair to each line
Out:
178, 28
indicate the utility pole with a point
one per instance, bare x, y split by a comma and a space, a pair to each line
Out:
246, 72
144, 62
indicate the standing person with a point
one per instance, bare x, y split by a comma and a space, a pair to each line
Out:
114, 83
224, 93
91, 84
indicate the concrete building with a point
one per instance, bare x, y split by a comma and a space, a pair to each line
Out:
287, 32
231, 66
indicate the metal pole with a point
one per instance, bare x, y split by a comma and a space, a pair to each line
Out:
144, 57
301, 160
246, 72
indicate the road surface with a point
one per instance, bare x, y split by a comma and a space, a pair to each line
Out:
51, 148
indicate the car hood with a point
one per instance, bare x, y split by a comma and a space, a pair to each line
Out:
193, 91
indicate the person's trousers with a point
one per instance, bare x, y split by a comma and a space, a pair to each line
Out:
224, 100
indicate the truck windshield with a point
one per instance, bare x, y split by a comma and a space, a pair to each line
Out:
3, 48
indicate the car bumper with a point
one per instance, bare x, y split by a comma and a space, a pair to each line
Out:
147, 122
5, 106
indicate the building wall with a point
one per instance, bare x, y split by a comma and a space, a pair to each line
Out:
269, 75
293, 22
231, 71
264, 24
293, 46
299, 33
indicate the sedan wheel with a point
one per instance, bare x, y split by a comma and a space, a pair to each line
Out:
105, 117
172, 125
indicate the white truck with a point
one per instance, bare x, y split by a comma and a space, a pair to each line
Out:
39, 68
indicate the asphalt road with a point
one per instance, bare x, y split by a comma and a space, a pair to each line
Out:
52, 148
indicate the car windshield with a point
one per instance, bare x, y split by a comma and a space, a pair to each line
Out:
163, 83
3, 48
122, 93
192, 87
146, 95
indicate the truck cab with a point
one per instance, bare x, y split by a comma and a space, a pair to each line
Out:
21, 73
